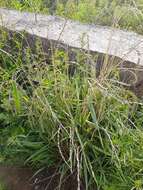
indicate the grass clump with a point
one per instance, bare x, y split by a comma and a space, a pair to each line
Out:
78, 123
63, 116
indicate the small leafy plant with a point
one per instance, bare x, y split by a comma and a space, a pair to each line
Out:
2, 187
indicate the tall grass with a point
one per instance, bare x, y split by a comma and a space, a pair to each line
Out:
63, 116
78, 123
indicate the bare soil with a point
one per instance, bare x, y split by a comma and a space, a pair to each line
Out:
21, 178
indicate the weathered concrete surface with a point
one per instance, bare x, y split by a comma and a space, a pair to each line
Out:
125, 45
126, 48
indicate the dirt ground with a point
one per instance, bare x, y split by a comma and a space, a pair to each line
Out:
16, 178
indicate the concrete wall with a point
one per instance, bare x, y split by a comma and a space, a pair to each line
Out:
125, 45
69, 35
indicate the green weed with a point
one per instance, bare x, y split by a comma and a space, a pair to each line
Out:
78, 122
2, 187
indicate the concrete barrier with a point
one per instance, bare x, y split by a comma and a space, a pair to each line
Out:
124, 45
